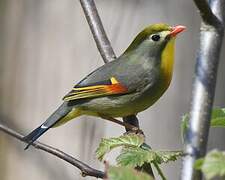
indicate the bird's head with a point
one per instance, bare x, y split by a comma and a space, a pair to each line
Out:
154, 38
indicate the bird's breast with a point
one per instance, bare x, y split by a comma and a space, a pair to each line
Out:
167, 61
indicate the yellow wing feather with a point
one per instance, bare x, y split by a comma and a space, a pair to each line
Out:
95, 91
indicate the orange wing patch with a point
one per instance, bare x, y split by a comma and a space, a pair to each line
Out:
95, 91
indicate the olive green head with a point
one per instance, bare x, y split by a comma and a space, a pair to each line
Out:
154, 38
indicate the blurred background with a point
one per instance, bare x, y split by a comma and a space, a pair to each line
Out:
46, 47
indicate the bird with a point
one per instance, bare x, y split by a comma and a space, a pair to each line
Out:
125, 86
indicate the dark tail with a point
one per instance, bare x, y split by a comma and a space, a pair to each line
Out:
61, 112
35, 134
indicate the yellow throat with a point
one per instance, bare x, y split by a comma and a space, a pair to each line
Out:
167, 61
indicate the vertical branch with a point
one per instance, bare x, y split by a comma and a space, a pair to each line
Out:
104, 46
97, 30
211, 37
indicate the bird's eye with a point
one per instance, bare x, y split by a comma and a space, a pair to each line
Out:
155, 37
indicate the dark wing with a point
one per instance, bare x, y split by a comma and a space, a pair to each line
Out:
120, 76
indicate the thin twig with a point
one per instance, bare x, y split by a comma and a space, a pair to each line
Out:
211, 37
85, 169
128, 126
97, 30
159, 171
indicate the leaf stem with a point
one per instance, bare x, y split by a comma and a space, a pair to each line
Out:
159, 170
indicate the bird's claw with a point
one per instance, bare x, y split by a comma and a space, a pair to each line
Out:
135, 130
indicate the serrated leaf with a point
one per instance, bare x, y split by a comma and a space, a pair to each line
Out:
167, 156
125, 173
130, 140
217, 120
213, 165
134, 157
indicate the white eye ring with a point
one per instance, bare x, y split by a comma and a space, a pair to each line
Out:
155, 37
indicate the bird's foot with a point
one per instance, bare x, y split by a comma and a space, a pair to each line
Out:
126, 125
135, 130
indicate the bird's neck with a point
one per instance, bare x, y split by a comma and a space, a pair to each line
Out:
167, 61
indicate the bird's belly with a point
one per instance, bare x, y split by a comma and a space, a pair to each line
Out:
124, 105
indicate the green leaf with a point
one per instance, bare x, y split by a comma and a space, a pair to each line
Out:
217, 120
213, 165
137, 156
218, 112
198, 163
218, 117
125, 173
129, 140
167, 156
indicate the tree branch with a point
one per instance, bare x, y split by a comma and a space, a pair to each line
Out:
85, 169
97, 30
211, 37
206, 13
